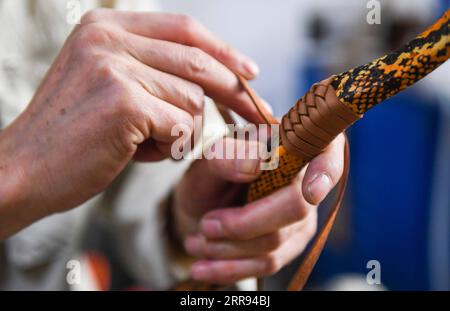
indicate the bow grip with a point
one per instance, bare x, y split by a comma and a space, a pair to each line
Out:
306, 130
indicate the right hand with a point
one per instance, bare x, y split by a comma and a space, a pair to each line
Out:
116, 89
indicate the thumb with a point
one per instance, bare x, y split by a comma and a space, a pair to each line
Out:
215, 182
227, 160
324, 171
240, 163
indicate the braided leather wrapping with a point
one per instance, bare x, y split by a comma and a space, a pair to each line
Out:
306, 130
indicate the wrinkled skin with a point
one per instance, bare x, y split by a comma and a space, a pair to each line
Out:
117, 87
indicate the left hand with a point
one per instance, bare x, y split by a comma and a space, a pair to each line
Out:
234, 241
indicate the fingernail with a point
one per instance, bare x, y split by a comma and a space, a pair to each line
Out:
250, 67
319, 188
199, 271
247, 166
212, 228
194, 244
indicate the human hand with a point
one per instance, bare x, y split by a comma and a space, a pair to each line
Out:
233, 240
116, 89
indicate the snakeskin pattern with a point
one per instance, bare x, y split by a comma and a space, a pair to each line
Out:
365, 86
271, 180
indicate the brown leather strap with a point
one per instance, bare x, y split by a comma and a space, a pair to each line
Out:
300, 278
266, 115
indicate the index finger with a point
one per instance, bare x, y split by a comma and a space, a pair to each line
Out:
181, 29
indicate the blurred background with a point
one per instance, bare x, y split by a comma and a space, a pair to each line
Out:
397, 208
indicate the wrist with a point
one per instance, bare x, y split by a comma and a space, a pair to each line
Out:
10, 176
14, 211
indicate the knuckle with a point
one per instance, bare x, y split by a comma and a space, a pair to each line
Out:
94, 34
127, 133
188, 120
92, 16
272, 264
275, 240
184, 120
128, 122
106, 71
195, 99
122, 104
299, 211
197, 61
235, 228
102, 68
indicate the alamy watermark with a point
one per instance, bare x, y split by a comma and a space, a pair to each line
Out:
73, 276
374, 14
256, 142
73, 16
373, 277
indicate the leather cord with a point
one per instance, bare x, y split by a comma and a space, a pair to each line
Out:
266, 115
300, 278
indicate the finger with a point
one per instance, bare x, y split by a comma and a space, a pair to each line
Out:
197, 245
181, 29
217, 180
324, 171
258, 218
195, 65
240, 162
214, 174
167, 124
162, 117
184, 94
231, 271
